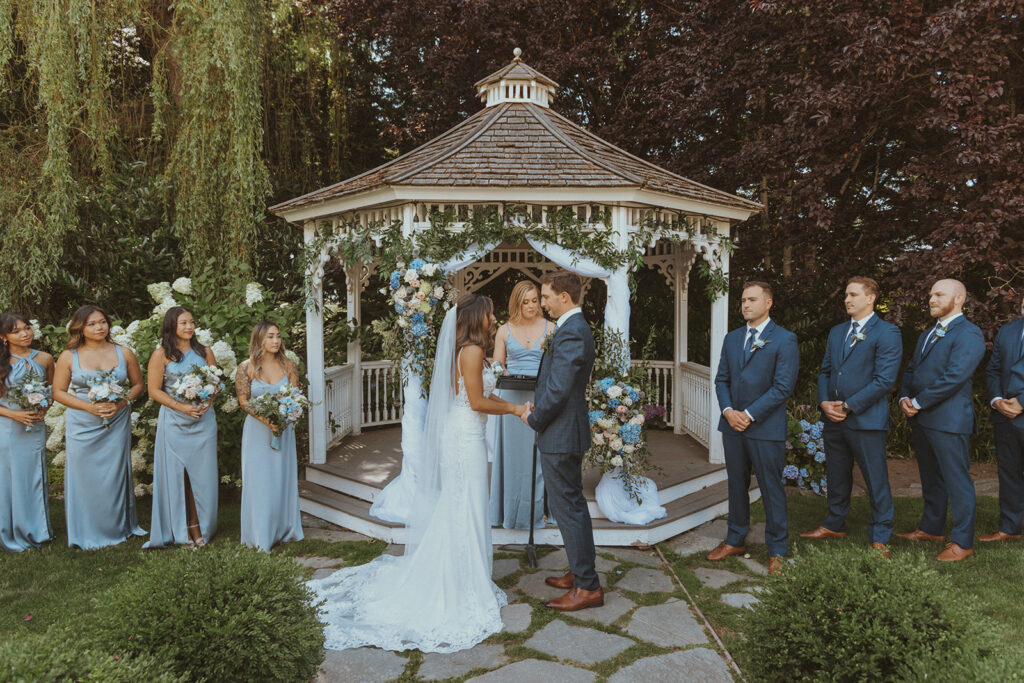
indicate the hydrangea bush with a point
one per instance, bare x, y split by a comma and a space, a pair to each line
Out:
224, 321
805, 451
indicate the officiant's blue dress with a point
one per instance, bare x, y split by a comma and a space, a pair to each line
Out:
184, 445
99, 495
513, 449
270, 481
24, 513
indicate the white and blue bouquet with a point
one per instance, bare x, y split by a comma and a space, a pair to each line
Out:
105, 387
31, 392
281, 408
617, 430
199, 386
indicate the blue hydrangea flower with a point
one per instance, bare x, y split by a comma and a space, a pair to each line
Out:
595, 415
805, 425
629, 433
790, 472
605, 383
803, 472
804, 438
418, 329
417, 263
399, 308
633, 394
816, 430
396, 279
812, 448
613, 403
815, 487
819, 456
417, 317
433, 301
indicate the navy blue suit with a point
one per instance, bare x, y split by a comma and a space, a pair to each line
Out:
1005, 379
861, 373
939, 377
760, 384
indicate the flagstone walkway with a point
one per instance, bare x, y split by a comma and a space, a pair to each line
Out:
646, 630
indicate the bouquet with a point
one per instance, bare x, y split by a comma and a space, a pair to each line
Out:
31, 393
199, 386
617, 431
281, 408
105, 387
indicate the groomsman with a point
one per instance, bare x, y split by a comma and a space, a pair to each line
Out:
860, 368
936, 398
756, 375
1005, 379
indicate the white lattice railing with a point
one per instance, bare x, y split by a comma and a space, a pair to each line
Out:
382, 393
659, 375
338, 397
696, 385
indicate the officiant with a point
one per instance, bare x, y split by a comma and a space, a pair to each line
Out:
518, 347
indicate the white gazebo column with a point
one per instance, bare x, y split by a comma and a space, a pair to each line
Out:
617, 304
315, 357
354, 353
682, 258
719, 328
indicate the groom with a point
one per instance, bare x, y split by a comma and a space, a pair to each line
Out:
560, 419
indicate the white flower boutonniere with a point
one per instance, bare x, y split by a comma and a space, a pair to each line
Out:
759, 344
545, 343
939, 334
858, 337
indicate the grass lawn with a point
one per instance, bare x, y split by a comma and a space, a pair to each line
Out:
52, 584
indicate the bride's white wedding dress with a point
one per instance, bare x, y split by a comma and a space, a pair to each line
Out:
439, 596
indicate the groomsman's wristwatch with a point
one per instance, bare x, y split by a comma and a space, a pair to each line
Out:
846, 407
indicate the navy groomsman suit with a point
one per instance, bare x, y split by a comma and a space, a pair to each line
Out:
758, 380
1005, 379
938, 380
860, 370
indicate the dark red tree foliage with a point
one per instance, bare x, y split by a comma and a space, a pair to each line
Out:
885, 138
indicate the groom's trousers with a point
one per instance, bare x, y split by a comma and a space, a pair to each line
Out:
563, 481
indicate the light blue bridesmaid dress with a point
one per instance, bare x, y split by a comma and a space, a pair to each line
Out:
270, 481
183, 445
99, 495
513, 449
24, 512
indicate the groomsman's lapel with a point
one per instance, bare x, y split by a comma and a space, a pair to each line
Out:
765, 337
935, 341
847, 350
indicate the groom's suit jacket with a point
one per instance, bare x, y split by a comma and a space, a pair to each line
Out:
1005, 371
560, 413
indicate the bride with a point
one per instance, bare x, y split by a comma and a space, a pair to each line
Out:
438, 596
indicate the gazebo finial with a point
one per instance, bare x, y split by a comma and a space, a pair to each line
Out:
517, 81
516, 54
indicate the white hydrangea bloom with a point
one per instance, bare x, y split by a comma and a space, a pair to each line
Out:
253, 293
133, 326
616, 461
292, 356
159, 290
614, 391
138, 460
628, 449
117, 330
204, 336
55, 415
165, 305
225, 357
183, 285
226, 479
140, 491
637, 420
55, 440
230, 405
36, 330
58, 460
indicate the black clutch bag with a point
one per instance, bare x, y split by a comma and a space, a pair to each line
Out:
517, 382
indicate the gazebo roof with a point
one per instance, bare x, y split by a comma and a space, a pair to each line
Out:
517, 141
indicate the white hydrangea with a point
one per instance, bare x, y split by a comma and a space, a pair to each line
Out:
55, 415
598, 439
138, 460
614, 391
253, 293
55, 440
292, 356
605, 423
36, 330
204, 336
165, 305
230, 405
429, 269
140, 491
616, 461
225, 357
183, 285
637, 420
59, 459
159, 291
117, 330
628, 449
225, 479
133, 326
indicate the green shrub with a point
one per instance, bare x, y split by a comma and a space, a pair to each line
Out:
220, 614
846, 614
56, 658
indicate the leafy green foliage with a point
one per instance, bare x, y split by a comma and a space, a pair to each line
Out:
223, 614
55, 656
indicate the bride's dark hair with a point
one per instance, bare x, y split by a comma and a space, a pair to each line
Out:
472, 311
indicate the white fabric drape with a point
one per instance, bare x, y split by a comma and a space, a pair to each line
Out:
618, 506
394, 503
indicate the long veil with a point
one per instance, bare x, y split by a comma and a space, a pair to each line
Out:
439, 404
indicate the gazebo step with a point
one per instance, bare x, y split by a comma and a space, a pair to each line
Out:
684, 513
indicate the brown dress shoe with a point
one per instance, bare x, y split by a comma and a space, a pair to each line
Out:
774, 564
725, 550
883, 550
578, 598
999, 536
822, 532
564, 582
918, 535
954, 553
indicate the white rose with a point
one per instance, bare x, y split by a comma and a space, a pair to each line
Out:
438, 292
204, 336
614, 391
183, 285
605, 423
598, 439
616, 444
402, 322
637, 420
58, 460
400, 294
430, 269
410, 276
253, 293
159, 290
628, 449
616, 461
627, 401
230, 405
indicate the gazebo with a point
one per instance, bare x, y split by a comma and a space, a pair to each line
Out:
515, 151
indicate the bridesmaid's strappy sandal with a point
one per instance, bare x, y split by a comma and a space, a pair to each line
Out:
199, 542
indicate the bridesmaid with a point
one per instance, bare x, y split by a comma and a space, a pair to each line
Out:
270, 477
24, 513
517, 346
99, 498
185, 453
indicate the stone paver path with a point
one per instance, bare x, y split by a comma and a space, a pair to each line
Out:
536, 670
615, 605
646, 580
716, 578
644, 557
533, 585
517, 617
699, 664
670, 624
503, 568
437, 666
739, 600
577, 643
364, 664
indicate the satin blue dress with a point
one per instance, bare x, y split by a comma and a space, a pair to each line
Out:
513, 449
99, 495
183, 445
24, 511
270, 481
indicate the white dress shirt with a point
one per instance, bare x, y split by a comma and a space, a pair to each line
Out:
568, 314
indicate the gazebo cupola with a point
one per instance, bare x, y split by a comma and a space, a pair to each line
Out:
516, 82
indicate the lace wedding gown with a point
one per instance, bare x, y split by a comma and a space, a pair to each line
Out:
440, 597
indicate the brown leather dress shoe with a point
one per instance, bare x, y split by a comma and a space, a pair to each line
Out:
999, 536
954, 553
774, 564
578, 598
881, 547
564, 582
822, 532
725, 550
918, 535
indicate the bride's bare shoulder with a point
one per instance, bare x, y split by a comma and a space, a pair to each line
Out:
472, 354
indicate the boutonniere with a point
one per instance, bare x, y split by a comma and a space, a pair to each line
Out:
545, 343
857, 338
939, 334
759, 344
496, 369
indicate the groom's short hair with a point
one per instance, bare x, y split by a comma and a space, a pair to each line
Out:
563, 281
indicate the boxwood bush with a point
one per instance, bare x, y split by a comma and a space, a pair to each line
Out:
52, 657
846, 614
219, 614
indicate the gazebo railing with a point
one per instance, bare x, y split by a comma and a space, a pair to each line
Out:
382, 393
338, 397
696, 384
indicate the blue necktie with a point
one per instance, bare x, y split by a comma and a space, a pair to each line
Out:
851, 337
1020, 352
749, 345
